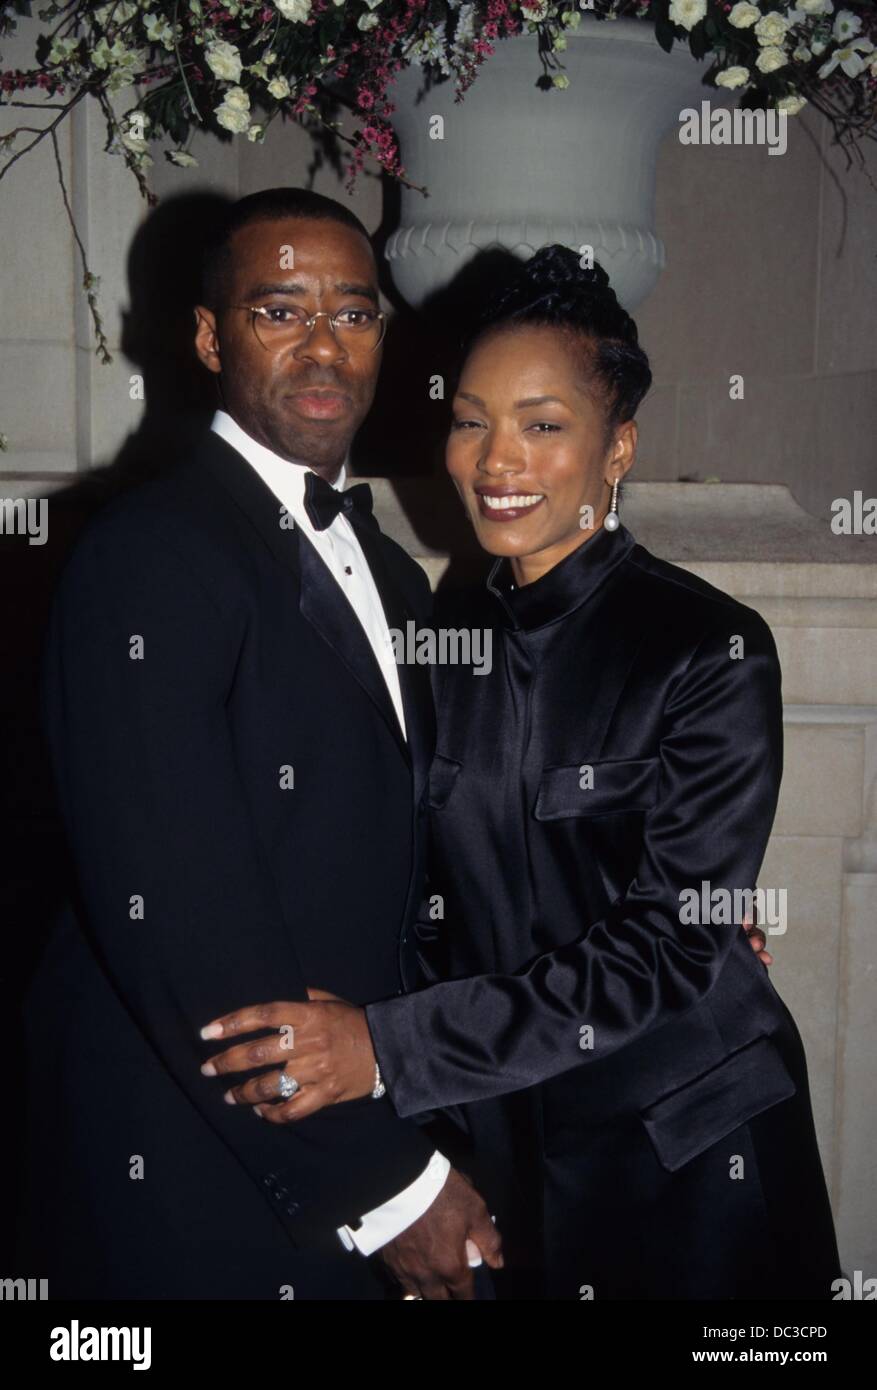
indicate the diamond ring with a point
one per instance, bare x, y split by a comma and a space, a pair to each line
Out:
288, 1086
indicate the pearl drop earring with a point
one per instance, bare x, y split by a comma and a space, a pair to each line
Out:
611, 520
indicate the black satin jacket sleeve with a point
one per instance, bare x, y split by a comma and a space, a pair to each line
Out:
640, 966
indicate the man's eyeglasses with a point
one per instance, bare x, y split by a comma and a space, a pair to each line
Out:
279, 326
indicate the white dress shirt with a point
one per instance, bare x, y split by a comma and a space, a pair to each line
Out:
339, 549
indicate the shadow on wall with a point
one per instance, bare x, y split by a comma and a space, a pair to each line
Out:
163, 271
404, 436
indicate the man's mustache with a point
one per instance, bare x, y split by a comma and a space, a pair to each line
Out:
324, 382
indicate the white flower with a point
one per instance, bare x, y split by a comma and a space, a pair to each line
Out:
846, 25
791, 105
237, 99
102, 54
732, 77
279, 88
771, 29
849, 58
114, 13
233, 113
872, 67
224, 61
816, 6
769, 59
296, 10
802, 54
430, 48
536, 12
122, 63
135, 143
255, 132
744, 15
158, 30
817, 46
561, 81
183, 158
367, 21
62, 49
687, 13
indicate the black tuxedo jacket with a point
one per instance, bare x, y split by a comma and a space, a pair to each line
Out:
244, 819
612, 1056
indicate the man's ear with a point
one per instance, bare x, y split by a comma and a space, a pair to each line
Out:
207, 338
622, 454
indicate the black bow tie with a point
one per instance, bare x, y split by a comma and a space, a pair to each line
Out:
323, 502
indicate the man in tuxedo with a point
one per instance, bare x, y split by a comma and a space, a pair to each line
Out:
241, 768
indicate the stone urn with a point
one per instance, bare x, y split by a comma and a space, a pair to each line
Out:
519, 167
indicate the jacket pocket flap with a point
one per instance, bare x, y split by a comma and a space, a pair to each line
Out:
442, 776
692, 1119
597, 789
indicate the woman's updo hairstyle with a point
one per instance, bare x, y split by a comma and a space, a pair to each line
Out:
553, 290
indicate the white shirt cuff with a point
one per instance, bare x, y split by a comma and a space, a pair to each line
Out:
395, 1216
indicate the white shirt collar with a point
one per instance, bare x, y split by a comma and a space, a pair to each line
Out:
285, 477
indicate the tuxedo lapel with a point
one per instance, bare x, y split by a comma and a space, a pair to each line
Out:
327, 610
253, 497
413, 679
322, 602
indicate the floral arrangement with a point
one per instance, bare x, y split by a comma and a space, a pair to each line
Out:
234, 66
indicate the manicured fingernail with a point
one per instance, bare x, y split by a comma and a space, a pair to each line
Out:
213, 1030
208, 1069
229, 1098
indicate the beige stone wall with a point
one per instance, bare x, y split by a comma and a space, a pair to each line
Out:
771, 273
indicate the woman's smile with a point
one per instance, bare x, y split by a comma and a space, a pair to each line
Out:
504, 504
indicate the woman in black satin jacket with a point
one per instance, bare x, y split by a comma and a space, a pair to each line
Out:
634, 1089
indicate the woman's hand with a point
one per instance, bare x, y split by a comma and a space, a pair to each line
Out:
323, 1047
758, 941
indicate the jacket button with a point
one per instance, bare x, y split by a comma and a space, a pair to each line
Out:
292, 1209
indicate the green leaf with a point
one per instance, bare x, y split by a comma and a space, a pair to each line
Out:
664, 33
697, 41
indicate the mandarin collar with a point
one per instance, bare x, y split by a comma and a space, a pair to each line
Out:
563, 588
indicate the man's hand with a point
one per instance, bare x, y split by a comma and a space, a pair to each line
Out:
429, 1258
